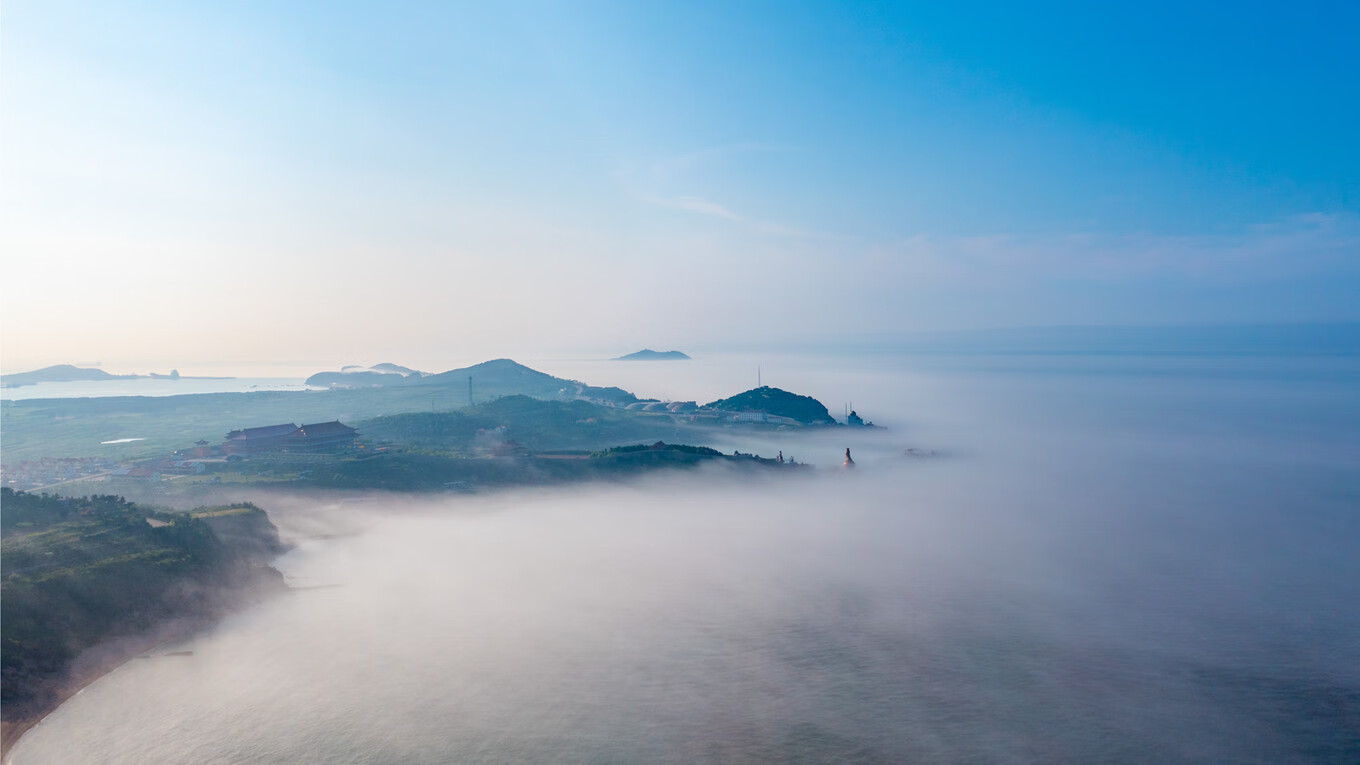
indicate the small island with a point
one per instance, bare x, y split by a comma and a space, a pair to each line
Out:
354, 375
647, 354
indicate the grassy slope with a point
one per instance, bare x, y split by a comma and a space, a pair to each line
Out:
804, 409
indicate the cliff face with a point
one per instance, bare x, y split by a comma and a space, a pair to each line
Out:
245, 530
99, 571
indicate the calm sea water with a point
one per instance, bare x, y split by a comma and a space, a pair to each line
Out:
1109, 560
149, 386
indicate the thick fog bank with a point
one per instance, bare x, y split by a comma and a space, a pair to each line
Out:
1100, 569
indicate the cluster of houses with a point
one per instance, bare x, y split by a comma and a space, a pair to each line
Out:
35, 474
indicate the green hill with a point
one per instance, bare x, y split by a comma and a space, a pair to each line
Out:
498, 377
507, 377
804, 409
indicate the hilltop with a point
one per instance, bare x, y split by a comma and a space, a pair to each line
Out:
647, 354
804, 409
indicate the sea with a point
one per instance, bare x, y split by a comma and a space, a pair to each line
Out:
151, 386
1036, 558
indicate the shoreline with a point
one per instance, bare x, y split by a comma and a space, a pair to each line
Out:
94, 663
106, 657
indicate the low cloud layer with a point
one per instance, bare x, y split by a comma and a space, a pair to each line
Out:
1068, 581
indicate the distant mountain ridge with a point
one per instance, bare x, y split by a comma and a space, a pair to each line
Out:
647, 354
504, 376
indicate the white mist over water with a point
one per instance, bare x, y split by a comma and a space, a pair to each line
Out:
1113, 561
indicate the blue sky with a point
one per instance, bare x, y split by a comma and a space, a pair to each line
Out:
590, 176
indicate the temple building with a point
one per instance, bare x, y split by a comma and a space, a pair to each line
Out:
316, 437
270, 438
322, 437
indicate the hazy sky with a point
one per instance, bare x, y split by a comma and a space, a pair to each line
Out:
208, 183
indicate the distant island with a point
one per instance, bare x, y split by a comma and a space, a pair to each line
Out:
62, 373
647, 354
59, 373
355, 376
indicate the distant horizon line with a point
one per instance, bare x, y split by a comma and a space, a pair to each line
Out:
1324, 337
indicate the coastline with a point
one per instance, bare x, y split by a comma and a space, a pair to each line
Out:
107, 656
92, 664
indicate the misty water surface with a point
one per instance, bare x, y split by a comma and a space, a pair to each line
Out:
1110, 561
149, 386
